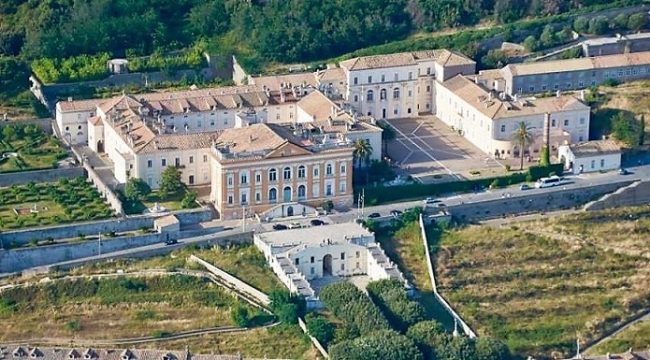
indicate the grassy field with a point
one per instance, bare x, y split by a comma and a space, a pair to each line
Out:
50, 203
539, 293
406, 249
114, 307
636, 337
41, 153
244, 262
627, 97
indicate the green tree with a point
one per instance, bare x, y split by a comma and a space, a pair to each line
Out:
189, 199
495, 58
581, 24
530, 43
170, 181
491, 349
8, 133
429, 335
523, 137
387, 135
642, 130
320, 328
14, 76
545, 157
240, 316
637, 21
548, 38
598, 25
620, 21
626, 128
136, 189
362, 151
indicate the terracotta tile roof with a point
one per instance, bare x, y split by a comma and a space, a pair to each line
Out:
319, 106
495, 108
598, 62
444, 57
122, 102
332, 75
80, 105
254, 138
596, 147
173, 142
275, 82
441, 56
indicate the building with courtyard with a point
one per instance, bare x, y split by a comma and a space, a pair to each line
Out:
307, 259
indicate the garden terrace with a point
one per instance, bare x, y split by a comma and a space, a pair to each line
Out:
27, 147
50, 204
110, 307
537, 292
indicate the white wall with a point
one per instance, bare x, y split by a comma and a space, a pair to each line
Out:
73, 125
602, 162
199, 168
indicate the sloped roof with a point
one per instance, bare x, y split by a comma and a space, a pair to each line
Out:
317, 105
441, 56
80, 105
597, 62
595, 147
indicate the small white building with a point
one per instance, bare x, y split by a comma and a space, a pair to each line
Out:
590, 156
300, 256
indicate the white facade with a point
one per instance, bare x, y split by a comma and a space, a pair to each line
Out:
489, 122
589, 157
72, 119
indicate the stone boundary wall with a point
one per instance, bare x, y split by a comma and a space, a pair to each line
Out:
522, 203
131, 223
25, 258
44, 123
314, 341
459, 320
235, 282
48, 175
637, 193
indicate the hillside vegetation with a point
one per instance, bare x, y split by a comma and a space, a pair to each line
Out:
538, 286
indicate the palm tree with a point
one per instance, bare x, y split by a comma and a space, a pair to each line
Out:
523, 136
362, 151
387, 135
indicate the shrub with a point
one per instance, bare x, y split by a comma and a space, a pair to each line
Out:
391, 298
189, 200
353, 307
287, 313
320, 328
136, 189
73, 325
637, 21
286, 306
240, 316
143, 315
383, 344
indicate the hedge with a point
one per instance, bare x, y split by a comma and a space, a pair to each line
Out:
353, 307
390, 296
385, 344
375, 195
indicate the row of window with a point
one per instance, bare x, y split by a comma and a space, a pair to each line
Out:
312, 260
177, 161
287, 174
355, 81
383, 94
287, 194
553, 124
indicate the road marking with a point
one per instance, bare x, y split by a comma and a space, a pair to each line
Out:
407, 156
424, 151
417, 128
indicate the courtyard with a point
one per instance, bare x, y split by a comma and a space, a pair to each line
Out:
429, 151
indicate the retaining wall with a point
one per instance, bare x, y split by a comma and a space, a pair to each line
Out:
25, 258
459, 320
637, 193
551, 199
22, 237
49, 175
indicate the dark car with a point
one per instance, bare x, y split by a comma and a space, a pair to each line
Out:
280, 227
374, 215
317, 222
171, 241
395, 213
623, 171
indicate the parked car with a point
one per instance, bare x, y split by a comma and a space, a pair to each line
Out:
623, 171
171, 241
523, 187
317, 222
295, 225
430, 200
441, 205
395, 213
374, 215
280, 227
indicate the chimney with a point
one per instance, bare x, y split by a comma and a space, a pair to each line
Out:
582, 95
69, 98
333, 110
490, 95
516, 97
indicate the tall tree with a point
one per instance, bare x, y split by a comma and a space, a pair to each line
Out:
170, 181
523, 137
362, 151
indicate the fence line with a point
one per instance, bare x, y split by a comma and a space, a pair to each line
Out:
314, 341
466, 329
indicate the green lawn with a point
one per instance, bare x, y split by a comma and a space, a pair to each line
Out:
54, 203
636, 337
538, 294
41, 153
115, 307
171, 202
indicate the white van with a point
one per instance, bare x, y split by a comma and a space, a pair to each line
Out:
550, 182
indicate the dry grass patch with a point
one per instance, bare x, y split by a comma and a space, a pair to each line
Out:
538, 293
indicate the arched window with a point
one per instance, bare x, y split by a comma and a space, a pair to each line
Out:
370, 97
301, 192
301, 172
382, 94
273, 175
273, 195
286, 173
328, 169
396, 93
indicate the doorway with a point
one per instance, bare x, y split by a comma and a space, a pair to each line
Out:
286, 194
290, 211
327, 265
100, 146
